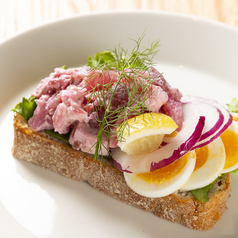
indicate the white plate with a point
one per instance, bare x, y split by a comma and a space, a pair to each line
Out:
196, 55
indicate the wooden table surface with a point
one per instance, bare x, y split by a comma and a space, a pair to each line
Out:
20, 15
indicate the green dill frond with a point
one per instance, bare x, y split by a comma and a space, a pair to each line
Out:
134, 79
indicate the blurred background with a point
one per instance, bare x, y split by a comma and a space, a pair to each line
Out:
20, 15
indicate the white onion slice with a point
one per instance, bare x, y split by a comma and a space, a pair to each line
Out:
183, 142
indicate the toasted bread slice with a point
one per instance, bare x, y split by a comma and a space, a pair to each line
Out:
50, 153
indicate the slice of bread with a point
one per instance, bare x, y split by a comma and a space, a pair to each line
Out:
50, 153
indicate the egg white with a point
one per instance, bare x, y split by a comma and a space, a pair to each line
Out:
153, 190
210, 170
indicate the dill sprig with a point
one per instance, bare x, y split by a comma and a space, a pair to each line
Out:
134, 81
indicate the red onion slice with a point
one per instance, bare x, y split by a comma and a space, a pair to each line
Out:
183, 142
211, 138
214, 120
223, 122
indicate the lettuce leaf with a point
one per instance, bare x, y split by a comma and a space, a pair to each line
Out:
63, 137
101, 59
233, 106
26, 107
234, 171
201, 194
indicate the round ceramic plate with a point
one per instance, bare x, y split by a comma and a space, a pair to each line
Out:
198, 56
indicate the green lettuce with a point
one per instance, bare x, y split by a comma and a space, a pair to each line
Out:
234, 171
233, 106
26, 107
63, 137
201, 194
101, 59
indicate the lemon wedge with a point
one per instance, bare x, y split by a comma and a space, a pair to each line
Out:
144, 133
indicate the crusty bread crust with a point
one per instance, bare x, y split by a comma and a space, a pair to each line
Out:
52, 154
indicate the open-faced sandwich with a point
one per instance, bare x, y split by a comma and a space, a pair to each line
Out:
119, 125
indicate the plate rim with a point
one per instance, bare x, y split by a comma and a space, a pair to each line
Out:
111, 12
121, 12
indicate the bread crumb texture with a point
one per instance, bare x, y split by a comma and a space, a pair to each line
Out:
50, 153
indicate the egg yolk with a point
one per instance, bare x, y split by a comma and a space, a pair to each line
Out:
166, 173
201, 157
235, 118
230, 141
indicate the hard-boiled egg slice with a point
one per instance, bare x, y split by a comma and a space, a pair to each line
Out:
164, 181
210, 160
230, 141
